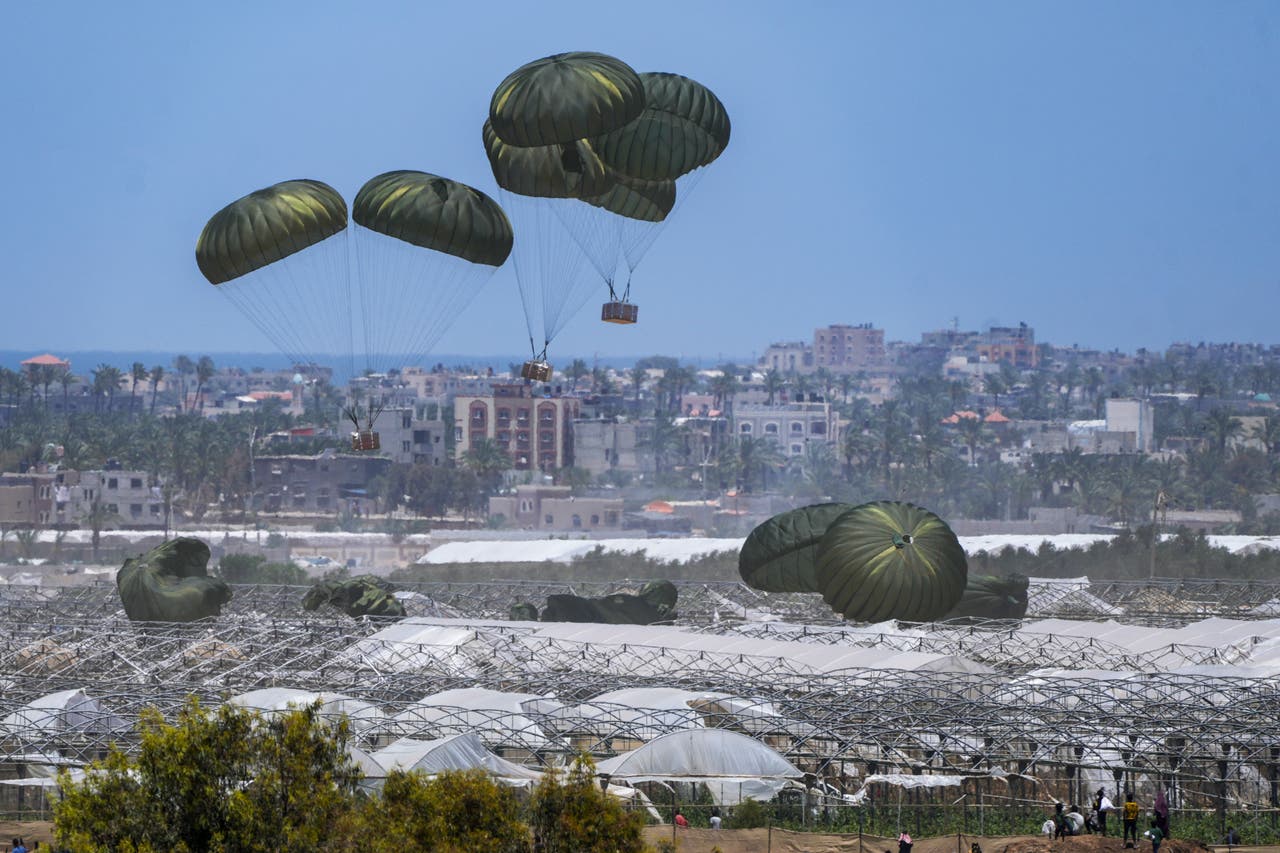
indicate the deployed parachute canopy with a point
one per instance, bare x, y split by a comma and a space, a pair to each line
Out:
422, 246
779, 555
170, 583
891, 560
587, 154
991, 597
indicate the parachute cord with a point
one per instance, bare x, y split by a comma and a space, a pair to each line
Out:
613, 294
626, 293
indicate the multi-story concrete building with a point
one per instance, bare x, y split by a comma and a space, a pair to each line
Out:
788, 357
26, 500
611, 445
1014, 344
131, 496
848, 349
409, 439
537, 432
324, 483
554, 508
792, 425
1133, 416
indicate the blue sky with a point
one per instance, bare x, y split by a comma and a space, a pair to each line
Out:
1104, 171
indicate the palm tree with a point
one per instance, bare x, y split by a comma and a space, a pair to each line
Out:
773, 383
995, 386
1222, 427
488, 460
1268, 432
106, 381
576, 370
973, 432
637, 375
724, 387
65, 379
138, 373
663, 440
154, 377
204, 372
98, 517
758, 456
183, 366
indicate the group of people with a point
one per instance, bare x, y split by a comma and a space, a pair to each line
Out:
1072, 821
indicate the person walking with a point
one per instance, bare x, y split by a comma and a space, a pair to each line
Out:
1161, 811
1155, 835
1103, 806
1129, 813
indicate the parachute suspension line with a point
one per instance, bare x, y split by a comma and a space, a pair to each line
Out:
638, 237
520, 262
306, 294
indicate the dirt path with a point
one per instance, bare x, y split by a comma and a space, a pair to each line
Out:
781, 841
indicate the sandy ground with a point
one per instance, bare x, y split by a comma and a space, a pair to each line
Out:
781, 841
28, 831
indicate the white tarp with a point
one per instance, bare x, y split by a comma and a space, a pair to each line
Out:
498, 717
564, 551
59, 713
459, 752
732, 765
366, 718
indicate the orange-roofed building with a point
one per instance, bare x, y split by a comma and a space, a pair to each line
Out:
48, 359
659, 506
996, 418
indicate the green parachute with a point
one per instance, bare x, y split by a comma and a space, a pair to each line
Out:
171, 583
363, 595
565, 97
588, 153
435, 213
267, 226
891, 560
991, 597
779, 554
422, 247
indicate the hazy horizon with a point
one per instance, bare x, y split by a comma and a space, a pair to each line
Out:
1105, 172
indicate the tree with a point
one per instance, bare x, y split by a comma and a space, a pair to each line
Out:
773, 383
569, 813
637, 375
1222, 427
488, 460
576, 370
137, 373
154, 377
995, 386
1268, 433
106, 381
222, 780
454, 811
98, 517
204, 372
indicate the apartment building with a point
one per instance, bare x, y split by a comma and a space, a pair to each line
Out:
324, 483
26, 500
792, 425
554, 508
848, 349
537, 431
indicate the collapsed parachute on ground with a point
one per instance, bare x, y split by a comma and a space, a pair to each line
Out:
653, 602
991, 597
891, 560
171, 583
779, 554
363, 595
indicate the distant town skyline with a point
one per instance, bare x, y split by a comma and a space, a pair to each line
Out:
1104, 172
